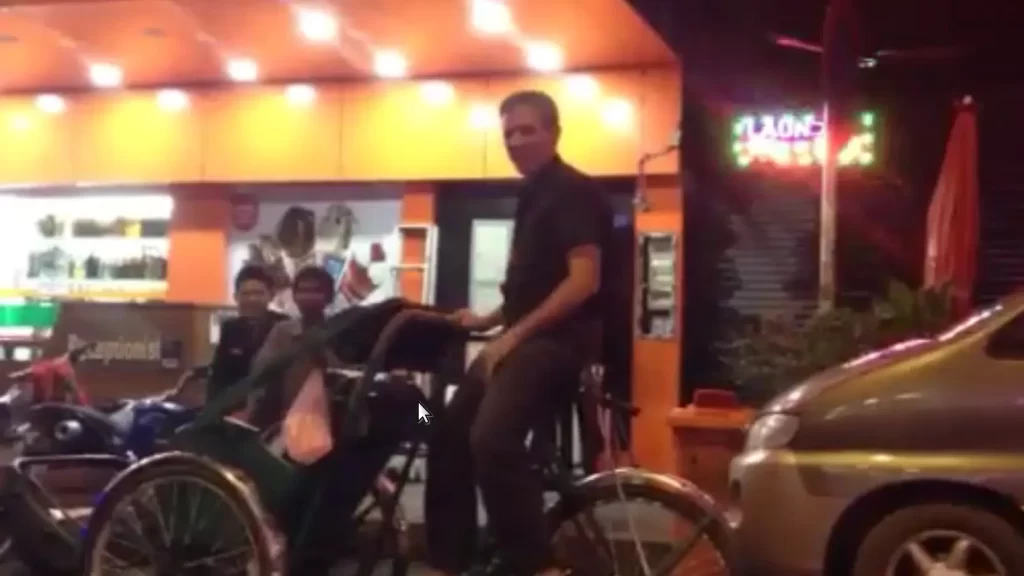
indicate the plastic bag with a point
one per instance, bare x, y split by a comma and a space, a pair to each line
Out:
307, 426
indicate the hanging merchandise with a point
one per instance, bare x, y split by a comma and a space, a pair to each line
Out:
351, 240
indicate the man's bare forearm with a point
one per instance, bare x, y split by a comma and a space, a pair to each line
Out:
493, 319
563, 301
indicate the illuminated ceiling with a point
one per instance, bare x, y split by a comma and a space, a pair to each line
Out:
63, 44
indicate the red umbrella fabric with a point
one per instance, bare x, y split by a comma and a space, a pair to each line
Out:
951, 254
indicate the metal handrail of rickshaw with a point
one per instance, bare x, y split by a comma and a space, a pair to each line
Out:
356, 421
238, 392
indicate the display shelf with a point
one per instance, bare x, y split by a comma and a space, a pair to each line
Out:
91, 247
112, 290
107, 285
102, 243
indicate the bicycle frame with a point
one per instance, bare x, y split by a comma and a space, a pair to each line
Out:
561, 480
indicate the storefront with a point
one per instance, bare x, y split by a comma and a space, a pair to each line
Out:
243, 152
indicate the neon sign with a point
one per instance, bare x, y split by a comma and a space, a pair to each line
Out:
798, 140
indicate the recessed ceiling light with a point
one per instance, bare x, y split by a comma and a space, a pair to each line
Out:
482, 116
50, 103
437, 91
390, 64
20, 122
316, 25
243, 70
172, 99
617, 113
491, 17
544, 56
105, 75
582, 86
300, 94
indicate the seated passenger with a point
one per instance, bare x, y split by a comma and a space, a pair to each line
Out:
313, 292
346, 474
241, 338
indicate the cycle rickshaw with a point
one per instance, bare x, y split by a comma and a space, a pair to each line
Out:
142, 523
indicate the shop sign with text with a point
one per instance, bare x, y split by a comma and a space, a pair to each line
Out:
798, 139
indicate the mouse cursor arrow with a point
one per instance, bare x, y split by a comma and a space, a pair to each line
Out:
423, 415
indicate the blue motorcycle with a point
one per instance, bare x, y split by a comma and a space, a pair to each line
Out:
129, 429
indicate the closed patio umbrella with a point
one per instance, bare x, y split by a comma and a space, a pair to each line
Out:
951, 254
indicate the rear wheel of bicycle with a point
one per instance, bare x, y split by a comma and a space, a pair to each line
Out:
178, 517
643, 530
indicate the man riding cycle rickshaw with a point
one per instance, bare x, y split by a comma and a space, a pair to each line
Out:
283, 512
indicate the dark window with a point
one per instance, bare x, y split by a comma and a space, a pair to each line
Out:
1008, 342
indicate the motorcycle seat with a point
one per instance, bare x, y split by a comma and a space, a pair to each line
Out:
116, 424
122, 419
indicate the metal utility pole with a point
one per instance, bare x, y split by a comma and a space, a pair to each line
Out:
840, 49
827, 209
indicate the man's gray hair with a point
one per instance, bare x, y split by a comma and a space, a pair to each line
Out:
541, 102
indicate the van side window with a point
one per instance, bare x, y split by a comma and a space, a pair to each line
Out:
1008, 342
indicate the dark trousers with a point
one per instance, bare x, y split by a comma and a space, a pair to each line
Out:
480, 440
344, 476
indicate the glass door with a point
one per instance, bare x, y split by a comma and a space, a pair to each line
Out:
490, 242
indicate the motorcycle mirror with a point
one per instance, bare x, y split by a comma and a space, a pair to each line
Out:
76, 353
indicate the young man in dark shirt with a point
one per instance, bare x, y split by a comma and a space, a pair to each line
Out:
242, 337
551, 314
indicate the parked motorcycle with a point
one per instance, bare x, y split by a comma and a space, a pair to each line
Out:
128, 429
65, 453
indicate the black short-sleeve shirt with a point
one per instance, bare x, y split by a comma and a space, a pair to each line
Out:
559, 209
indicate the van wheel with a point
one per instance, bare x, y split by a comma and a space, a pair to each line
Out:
941, 539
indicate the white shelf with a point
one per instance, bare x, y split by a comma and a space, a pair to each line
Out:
59, 286
99, 244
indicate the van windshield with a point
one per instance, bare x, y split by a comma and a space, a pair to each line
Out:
970, 323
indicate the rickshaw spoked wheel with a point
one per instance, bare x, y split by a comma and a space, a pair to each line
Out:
179, 516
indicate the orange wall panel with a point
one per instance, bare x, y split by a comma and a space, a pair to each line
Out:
258, 135
411, 131
661, 104
599, 121
35, 147
131, 139
657, 363
198, 257
358, 131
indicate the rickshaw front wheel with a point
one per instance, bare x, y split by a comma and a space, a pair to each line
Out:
183, 515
